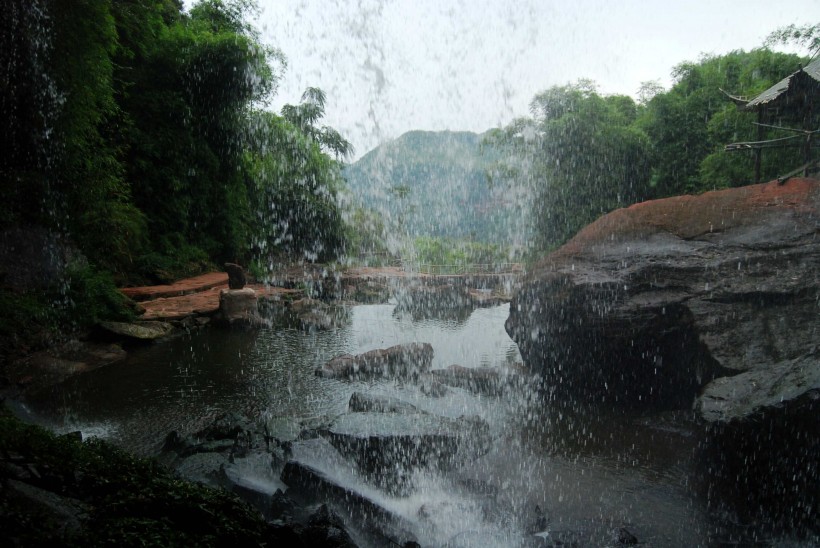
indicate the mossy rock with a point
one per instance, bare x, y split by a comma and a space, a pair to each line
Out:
144, 331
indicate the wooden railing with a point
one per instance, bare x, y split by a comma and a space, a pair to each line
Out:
465, 269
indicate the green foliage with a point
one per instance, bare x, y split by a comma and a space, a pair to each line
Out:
579, 156
294, 192
807, 36
689, 125
443, 251
91, 296
365, 238
192, 93
85, 297
305, 116
143, 140
25, 316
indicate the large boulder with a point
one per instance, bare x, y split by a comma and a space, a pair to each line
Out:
651, 302
706, 301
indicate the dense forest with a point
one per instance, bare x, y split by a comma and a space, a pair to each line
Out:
137, 133
140, 131
582, 154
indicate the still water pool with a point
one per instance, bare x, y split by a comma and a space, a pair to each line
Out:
573, 477
184, 383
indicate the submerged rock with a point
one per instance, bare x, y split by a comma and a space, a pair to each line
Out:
484, 380
402, 360
56, 364
314, 314
362, 403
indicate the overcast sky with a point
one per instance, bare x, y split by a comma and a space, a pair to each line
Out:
390, 66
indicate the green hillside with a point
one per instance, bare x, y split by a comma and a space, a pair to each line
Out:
428, 183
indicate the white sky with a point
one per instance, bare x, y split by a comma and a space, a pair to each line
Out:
390, 66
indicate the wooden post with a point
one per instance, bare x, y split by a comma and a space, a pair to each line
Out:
758, 151
807, 153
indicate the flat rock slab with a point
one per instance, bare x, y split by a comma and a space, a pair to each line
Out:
177, 308
748, 395
182, 287
204, 303
386, 444
483, 380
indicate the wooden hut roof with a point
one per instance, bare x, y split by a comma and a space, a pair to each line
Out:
810, 73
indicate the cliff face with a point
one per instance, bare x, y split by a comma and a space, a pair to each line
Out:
650, 303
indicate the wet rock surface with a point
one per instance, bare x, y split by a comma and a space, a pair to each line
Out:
238, 306
236, 276
311, 482
48, 367
386, 447
707, 300
650, 303
483, 380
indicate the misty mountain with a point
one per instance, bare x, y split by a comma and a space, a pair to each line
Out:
428, 183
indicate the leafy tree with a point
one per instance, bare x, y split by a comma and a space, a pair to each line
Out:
307, 114
807, 36
190, 98
580, 156
294, 192
691, 123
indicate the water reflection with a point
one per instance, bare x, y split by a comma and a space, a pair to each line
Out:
182, 384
